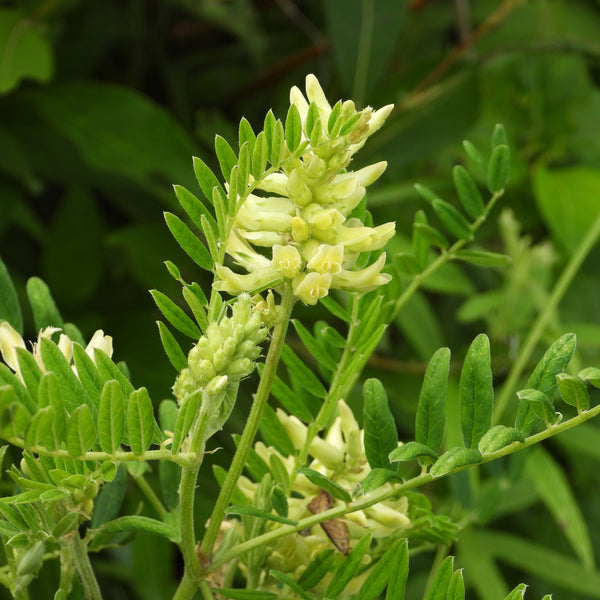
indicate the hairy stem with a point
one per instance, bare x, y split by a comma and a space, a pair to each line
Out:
249, 433
561, 286
396, 490
150, 494
83, 568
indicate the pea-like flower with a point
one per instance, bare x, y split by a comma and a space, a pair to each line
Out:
297, 224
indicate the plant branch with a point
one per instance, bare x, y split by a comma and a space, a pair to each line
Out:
249, 433
150, 494
561, 286
83, 568
379, 496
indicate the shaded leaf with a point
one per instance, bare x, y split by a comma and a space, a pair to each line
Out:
412, 450
111, 417
140, 421
309, 381
322, 481
256, 512
455, 458
140, 524
431, 409
573, 391
476, 392
81, 431
45, 312
345, 572
381, 435
498, 168
172, 348
191, 245
10, 310
498, 437
468, 192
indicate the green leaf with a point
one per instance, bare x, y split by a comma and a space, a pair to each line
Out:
407, 263
540, 405
498, 168
432, 235
243, 173
456, 589
336, 309
139, 524
538, 560
293, 128
499, 136
226, 156
185, 419
317, 569
426, 193
206, 178
431, 409
380, 574
573, 391
109, 370
543, 378
452, 219
454, 458
568, 200
279, 502
72, 392
30, 370
38, 427
175, 315
483, 258
45, 312
172, 348
246, 134
191, 245
399, 573
259, 156
554, 490
25, 51
87, 373
345, 572
194, 296
111, 417
109, 500
468, 192
194, 207
66, 525
277, 143
381, 435
309, 381
256, 512
412, 450
322, 481
18, 390
441, 581
10, 309
274, 434
476, 158
591, 374
287, 580
517, 593
140, 421
320, 352
291, 401
376, 478
476, 392
498, 437
81, 432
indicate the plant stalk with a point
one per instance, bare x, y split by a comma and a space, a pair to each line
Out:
249, 433
561, 286
379, 496
83, 568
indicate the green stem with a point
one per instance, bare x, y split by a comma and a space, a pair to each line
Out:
150, 494
187, 493
83, 568
379, 496
562, 285
247, 439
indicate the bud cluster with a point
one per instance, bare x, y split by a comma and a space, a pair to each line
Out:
10, 340
340, 455
306, 223
225, 354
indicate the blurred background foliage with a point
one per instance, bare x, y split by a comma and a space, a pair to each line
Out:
103, 103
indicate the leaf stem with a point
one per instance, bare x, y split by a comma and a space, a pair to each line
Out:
561, 286
249, 433
150, 494
83, 568
398, 489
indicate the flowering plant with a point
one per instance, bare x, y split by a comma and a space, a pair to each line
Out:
326, 508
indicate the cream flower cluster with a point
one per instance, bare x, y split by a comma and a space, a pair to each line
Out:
225, 354
10, 340
303, 213
340, 455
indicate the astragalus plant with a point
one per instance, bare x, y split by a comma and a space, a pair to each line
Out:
326, 505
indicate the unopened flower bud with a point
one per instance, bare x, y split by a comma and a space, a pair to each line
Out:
10, 340
297, 189
217, 384
300, 229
